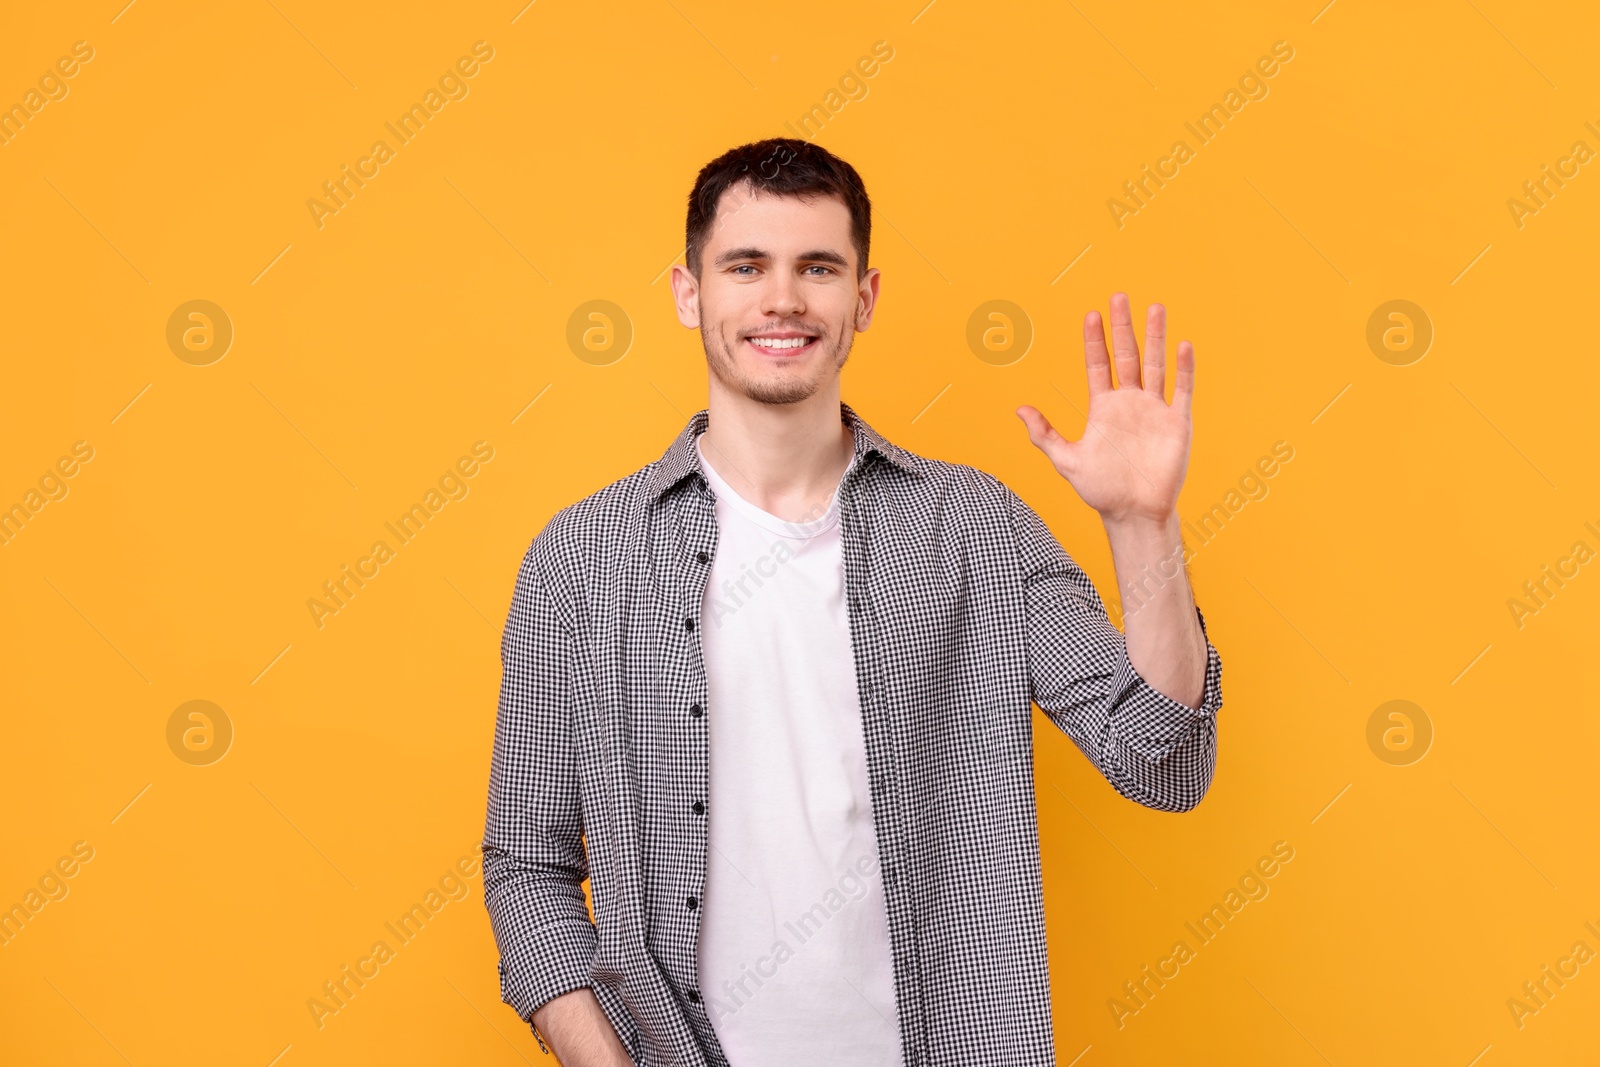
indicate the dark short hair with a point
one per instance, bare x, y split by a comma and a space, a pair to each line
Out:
782, 166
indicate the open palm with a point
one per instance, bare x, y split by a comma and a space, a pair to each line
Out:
1130, 462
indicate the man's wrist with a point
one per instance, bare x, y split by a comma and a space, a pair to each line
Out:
1156, 531
578, 1031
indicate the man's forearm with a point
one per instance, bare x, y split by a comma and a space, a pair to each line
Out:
1165, 643
579, 1033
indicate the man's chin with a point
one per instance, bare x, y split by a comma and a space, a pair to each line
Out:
779, 392
775, 384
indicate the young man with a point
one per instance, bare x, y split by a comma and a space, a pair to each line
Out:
771, 694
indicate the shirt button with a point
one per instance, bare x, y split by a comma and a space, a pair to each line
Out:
688, 624
699, 808
702, 557
694, 710
694, 997
691, 902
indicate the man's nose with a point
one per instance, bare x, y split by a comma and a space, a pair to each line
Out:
782, 296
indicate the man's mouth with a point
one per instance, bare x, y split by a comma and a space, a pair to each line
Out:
784, 344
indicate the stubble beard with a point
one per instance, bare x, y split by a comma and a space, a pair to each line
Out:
778, 387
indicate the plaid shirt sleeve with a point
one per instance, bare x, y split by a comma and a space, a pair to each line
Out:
1151, 748
533, 853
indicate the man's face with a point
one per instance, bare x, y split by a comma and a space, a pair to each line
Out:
777, 302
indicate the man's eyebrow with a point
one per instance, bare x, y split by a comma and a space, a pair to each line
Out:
741, 253
816, 255
825, 255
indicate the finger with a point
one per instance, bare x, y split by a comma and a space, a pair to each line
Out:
1040, 432
1096, 362
1155, 351
1124, 346
1183, 389
1045, 437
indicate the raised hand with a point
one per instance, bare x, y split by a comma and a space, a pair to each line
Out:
1130, 462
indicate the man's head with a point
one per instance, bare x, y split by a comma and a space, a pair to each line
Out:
777, 278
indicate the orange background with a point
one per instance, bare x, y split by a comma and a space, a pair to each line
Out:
432, 310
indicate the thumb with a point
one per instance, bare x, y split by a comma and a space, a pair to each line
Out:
1045, 437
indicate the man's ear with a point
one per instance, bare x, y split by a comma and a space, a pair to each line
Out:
686, 296
867, 299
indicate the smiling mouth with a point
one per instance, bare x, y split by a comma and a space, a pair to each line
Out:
781, 347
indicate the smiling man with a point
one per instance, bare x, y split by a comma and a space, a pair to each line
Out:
771, 694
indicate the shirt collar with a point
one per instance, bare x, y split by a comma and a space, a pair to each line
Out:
682, 459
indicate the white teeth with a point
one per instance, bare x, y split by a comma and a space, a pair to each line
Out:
770, 342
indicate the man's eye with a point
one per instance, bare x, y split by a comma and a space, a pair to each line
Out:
743, 266
818, 266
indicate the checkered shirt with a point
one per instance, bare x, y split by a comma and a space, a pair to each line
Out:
964, 612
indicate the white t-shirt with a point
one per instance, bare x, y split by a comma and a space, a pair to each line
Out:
794, 958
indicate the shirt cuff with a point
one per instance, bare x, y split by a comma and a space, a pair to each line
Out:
554, 960
1152, 722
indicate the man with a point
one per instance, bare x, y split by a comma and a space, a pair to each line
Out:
771, 693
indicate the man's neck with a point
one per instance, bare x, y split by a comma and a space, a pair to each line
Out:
786, 459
